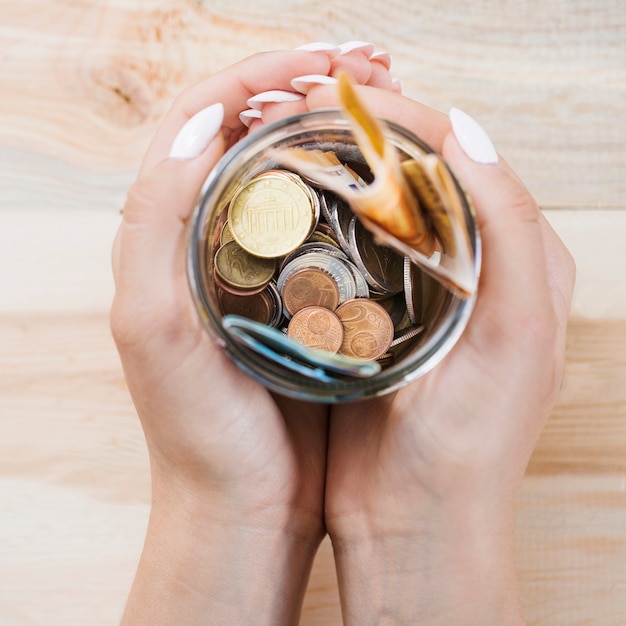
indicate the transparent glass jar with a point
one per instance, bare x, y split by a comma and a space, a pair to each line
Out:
443, 315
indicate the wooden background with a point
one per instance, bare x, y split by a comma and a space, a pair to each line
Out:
83, 84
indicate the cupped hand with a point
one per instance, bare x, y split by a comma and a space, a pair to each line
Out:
420, 484
210, 429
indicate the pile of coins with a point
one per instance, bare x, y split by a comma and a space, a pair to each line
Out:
295, 257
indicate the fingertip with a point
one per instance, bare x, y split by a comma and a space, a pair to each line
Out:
472, 137
198, 132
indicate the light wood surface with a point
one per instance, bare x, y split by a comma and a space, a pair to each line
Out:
83, 86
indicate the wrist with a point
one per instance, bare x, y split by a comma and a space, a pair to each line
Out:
451, 565
206, 560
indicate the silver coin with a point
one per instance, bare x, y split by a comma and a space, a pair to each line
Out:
325, 201
315, 246
340, 217
381, 266
409, 290
406, 335
362, 288
335, 267
277, 301
396, 307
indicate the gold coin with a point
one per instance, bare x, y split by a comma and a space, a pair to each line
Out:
367, 329
271, 215
310, 287
316, 327
242, 270
225, 234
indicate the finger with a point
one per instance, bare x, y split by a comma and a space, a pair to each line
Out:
560, 272
428, 124
233, 87
356, 64
280, 110
149, 255
379, 76
513, 276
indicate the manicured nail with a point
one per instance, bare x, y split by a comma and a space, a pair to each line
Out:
275, 95
472, 138
396, 85
317, 46
248, 115
304, 83
198, 132
382, 57
351, 46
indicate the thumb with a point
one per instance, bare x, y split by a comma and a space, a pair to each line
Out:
148, 252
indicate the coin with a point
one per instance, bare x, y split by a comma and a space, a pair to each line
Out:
340, 217
310, 287
316, 327
409, 291
324, 234
406, 335
396, 307
258, 307
313, 246
335, 267
381, 266
367, 328
236, 291
308, 190
271, 215
241, 270
225, 234
362, 288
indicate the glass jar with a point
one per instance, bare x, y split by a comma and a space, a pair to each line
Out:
443, 314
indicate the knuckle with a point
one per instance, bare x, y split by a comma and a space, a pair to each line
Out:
126, 332
139, 198
135, 325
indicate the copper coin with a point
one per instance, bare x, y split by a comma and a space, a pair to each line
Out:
258, 307
316, 327
367, 328
310, 287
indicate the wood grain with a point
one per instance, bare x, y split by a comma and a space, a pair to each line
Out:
84, 85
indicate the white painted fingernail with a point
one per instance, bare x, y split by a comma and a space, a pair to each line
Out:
317, 46
396, 85
351, 46
382, 57
275, 95
194, 137
304, 83
248, 115
472, 138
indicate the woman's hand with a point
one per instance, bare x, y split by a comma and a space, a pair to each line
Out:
420, 485
237, 474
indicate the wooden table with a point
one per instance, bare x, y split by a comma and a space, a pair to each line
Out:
83, 85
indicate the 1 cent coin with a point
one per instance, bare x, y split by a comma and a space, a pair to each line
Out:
316, 327
310, 287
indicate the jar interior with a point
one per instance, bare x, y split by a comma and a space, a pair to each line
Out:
442, 314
